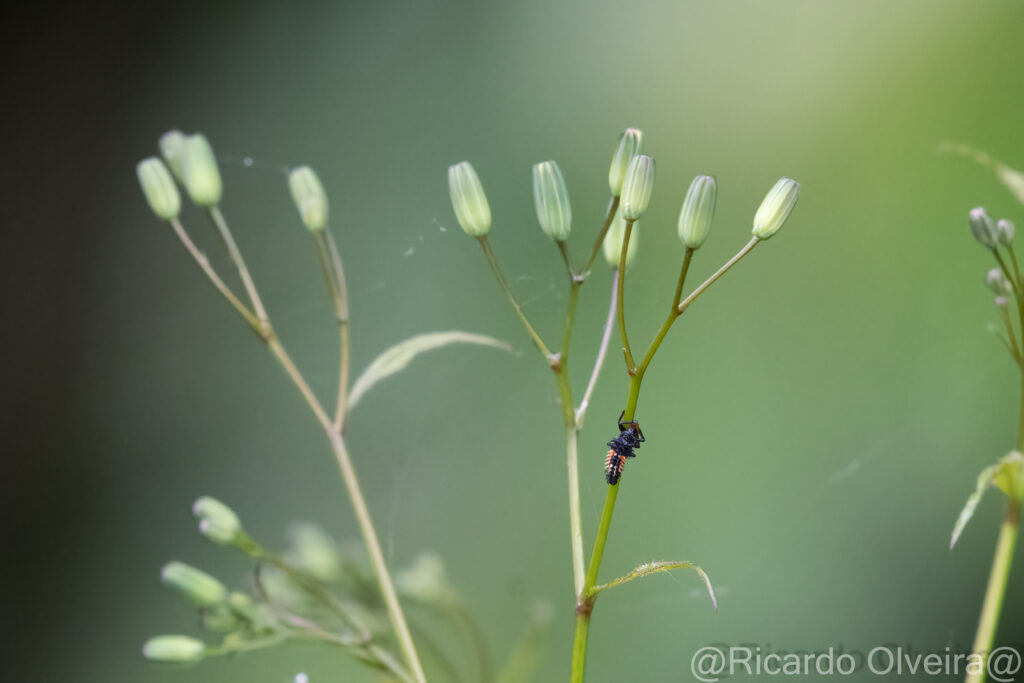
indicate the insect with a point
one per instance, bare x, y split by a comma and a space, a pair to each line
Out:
621, 447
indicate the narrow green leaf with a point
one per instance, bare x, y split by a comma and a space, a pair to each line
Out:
984, 479
1007, 475
649, 568
1010, 177
399, 356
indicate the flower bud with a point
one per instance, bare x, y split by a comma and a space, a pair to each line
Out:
1002, 302
637, 187
199, 171
172, 148
159, 188
775, 208
698, 211
1005, 231
469, 200
630, 143
217, 521
195, 585
983, 228
552, 201
613, 241
309, 197
997, 282
174, 650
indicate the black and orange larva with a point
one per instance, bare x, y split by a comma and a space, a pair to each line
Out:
620, 448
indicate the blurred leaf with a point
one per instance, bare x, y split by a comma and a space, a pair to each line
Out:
399, 356
1010, 177
522, 662
649, 568
1007, 475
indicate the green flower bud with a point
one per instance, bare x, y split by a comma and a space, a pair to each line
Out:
983, 228
1002, 302
997, 282
424, 579
698, 211
552, 201
159, 188
1005, 231
220, 619
197, 586
174, 650
309, 197
199, 171
775, 208
637, 187
613, 241
172, 148
217, 521
468, 199
630, 143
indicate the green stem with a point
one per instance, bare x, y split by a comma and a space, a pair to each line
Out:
630, 363
996, 590
236, 256
579, 646
602, 349
718, 273
496, 269
613, 206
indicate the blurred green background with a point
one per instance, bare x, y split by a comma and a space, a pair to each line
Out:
814, 423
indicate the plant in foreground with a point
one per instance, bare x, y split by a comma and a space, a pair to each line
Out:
317, 592
1007, 474
631, 184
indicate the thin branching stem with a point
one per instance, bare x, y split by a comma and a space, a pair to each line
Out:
613, 206
492, 261
627, 352
236, 257
718, 273
602, 350
211, 274
265, 331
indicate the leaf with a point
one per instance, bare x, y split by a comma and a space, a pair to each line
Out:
399, 356
1007, 475
1010, 177
649, 568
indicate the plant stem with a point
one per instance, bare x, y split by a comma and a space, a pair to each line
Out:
719, 273
362, 512
609, 323
585, 604
211, 274
613, 206
261, 325
996, 590
630, 364
236, 256
496, 269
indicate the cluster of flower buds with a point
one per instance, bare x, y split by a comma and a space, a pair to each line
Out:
631, 181
189, 160
997, 236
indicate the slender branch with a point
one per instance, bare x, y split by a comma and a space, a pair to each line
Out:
575, 517
718, 273
496, 269
263, 328
1016, 268
387, 587
1014, 283
613, 206
236, 256
996, 589
211, 274
342, 307
563, 249
630, 363
1011, 344
609, 323
362, 511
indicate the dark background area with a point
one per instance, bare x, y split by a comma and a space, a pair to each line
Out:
815, 425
